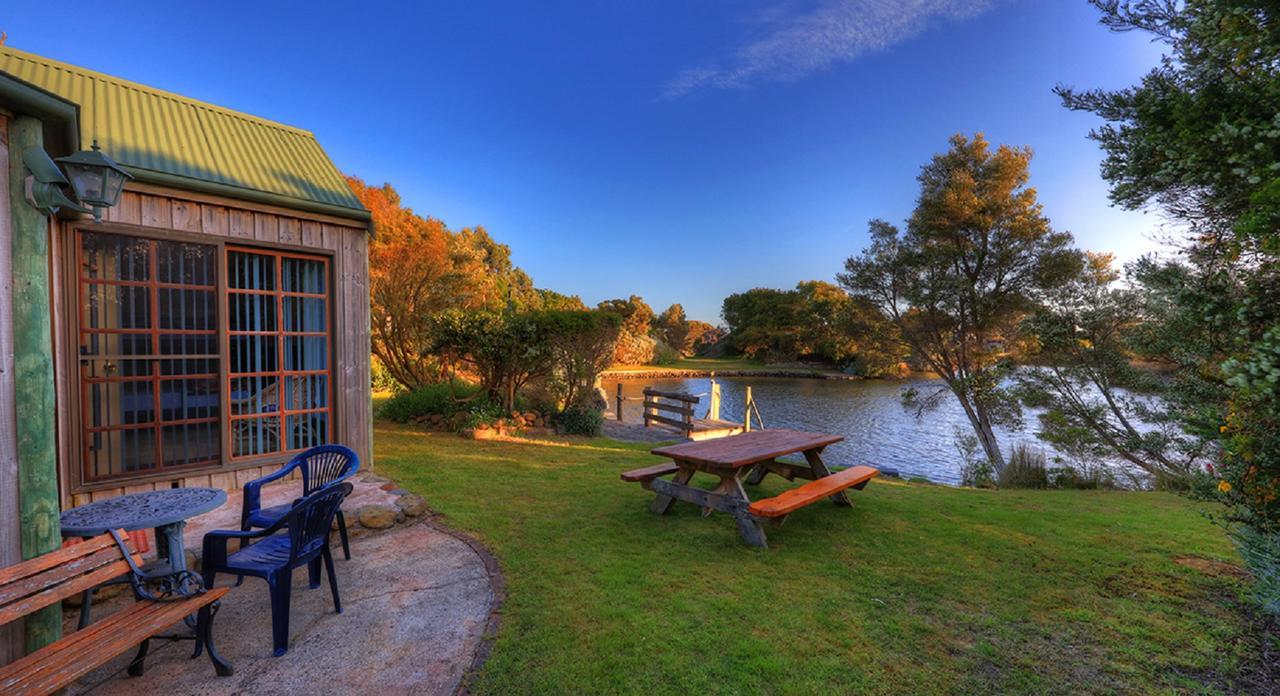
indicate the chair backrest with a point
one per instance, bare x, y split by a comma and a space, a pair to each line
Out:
311, 519
324, 465
36, 583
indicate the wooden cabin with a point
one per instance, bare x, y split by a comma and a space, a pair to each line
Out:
213, 323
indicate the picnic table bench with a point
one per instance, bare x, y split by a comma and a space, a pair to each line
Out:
748, 458
46, 580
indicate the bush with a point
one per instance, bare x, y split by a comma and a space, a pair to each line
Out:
443, 398
1025, 469
580, 421
1080, 478
664, 354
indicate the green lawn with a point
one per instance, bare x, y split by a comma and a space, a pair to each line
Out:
916, 589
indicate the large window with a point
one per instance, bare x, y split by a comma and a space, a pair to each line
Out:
148, 355
155, 348
279, 351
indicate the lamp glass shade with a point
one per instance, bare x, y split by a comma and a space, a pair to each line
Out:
96, 178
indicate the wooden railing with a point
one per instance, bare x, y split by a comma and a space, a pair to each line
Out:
680, 405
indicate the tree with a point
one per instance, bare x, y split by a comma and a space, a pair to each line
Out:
672, 328
581, 344
1199, 138
634, 346
419, 269
703, 336
976, 256
505, 349
1095, 400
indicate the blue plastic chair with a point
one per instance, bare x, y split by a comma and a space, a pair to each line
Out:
300, 537
321, 466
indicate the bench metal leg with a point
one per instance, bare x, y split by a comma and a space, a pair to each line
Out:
820, 470
137, 665
204, 633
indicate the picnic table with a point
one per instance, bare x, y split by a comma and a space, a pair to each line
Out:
747, 459
166, 510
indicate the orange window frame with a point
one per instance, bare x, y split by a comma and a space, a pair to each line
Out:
156, 377
281, 413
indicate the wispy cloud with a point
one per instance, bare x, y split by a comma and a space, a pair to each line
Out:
789, 46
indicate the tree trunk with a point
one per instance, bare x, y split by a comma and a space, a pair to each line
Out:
981, 422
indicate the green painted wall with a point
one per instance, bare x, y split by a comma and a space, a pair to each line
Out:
33, 375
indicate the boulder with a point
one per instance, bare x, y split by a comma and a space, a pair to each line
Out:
377, 516
411, 505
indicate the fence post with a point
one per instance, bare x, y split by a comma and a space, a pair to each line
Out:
618, 402
746, 416
713, 411
646, 407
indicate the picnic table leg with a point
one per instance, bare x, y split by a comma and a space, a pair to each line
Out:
820, 470
748, 526
757, 474
662, 503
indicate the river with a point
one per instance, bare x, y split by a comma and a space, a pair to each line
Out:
878, 430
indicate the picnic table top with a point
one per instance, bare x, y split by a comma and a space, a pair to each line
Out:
746, 449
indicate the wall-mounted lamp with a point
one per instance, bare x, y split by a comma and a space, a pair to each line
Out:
97, 179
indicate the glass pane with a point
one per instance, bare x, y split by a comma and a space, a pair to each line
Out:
194, 443
307, 430
115, 452
302, 275
116, 307
189, 344
187, 310
120, 403
306, 392
251, 312
304, 314
96, 369
251, 271
115, 344
255, 395
114, 257
187, 264
255, 436
254, 354
306, 353
186, 399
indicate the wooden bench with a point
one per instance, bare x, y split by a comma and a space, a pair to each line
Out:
649, 473
46, 580
791, 500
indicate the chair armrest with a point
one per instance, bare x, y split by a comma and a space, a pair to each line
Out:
253, 489
215, 544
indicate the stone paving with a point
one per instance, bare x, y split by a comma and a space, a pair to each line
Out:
418, 604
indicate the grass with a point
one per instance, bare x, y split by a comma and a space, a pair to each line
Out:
916, 589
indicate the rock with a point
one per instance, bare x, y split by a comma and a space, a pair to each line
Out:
377, 516
411, 505
375, 479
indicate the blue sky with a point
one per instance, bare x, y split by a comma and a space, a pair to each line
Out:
682, 151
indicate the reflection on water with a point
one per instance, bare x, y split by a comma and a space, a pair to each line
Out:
878, 431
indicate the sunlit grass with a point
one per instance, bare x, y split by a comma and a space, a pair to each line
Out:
916, 589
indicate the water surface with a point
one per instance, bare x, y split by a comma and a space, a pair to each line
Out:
878, 431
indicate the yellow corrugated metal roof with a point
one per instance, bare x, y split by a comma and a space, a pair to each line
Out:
152, 131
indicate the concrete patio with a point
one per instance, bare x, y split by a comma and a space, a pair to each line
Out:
417, 604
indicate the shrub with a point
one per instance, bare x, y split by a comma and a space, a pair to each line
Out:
444, 398
975, 470
576, 420
1081, 478
1025, 469
664, 354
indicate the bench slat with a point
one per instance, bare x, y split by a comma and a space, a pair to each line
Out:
796, 498
53, 559
14, 591
44, 598
649, 472
59, 664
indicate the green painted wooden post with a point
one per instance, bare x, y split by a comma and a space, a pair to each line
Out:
33, 375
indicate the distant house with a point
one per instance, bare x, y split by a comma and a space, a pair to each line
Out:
214, 322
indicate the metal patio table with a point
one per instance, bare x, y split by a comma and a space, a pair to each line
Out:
166, 510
